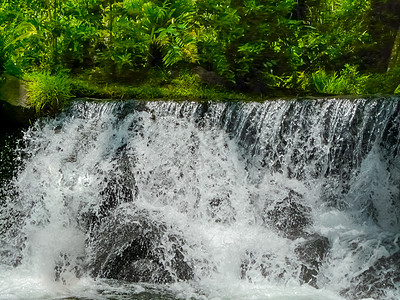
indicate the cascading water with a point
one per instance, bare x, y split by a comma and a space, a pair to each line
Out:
144, 200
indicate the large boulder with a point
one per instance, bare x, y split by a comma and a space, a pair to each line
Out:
129, 245
289, 216
311, 253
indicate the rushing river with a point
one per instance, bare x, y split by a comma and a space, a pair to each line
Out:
291, 199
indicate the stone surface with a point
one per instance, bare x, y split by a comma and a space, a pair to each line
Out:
311, 253
129, 246
14, 112
267, 265
375, 282
220, 210
121, 184
210, 77
13, 90
289, 217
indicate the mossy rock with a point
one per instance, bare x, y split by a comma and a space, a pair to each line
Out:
14, 112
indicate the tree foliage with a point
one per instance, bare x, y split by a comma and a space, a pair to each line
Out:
256, 45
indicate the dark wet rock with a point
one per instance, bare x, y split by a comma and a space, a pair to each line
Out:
14, 117
311, 253
289, 216
144, 270
266, 265
377, 281
122, 111
247, 264
66, 266
118, 241
58, 129
129, 246
14, 112
200, 114
181, 268
120, 184
118, 190
10, 159
13, 90
220, 210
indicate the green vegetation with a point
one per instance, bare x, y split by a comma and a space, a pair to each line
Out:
184, 86
347, 81
48, 93
199, 48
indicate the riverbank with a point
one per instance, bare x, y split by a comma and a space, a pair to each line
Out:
48, 94
42, 94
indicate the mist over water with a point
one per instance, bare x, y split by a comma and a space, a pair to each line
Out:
139, 200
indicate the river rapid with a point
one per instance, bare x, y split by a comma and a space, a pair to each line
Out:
286, 199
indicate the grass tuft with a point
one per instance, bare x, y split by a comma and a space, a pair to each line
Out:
47, 93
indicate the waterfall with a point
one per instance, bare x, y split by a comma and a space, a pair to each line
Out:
285, 199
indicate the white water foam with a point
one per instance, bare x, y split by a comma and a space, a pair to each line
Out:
179, 169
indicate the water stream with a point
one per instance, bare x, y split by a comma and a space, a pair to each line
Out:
294, 199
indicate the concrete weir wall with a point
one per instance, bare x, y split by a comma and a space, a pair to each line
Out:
14, 111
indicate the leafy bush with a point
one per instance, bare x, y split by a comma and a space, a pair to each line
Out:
384, 83
397, 90
48, 93
328, 83
348, 81
186, 85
